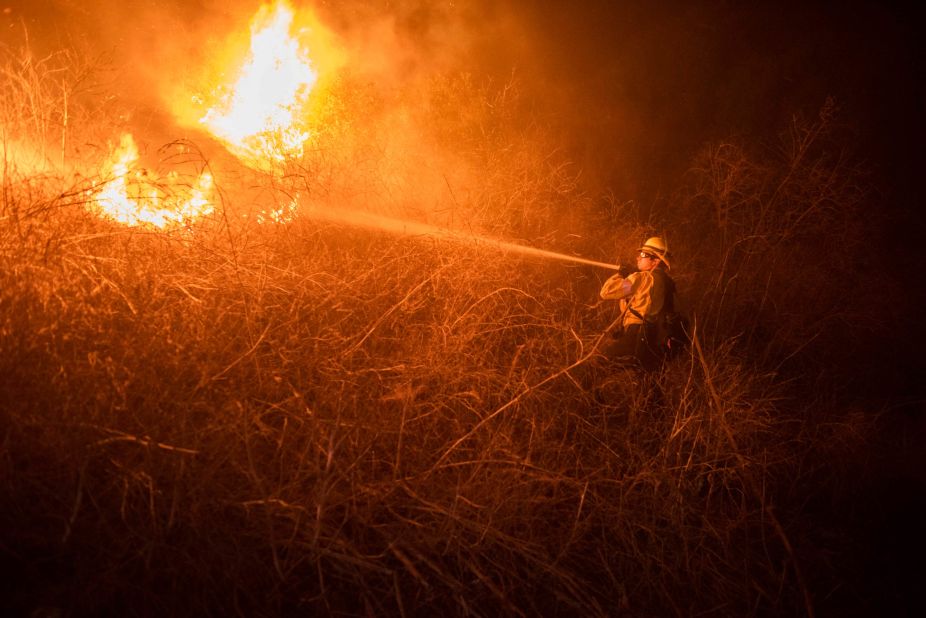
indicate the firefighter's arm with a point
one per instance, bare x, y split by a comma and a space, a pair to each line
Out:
616, 287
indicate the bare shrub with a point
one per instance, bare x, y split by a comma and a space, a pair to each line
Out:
774, 241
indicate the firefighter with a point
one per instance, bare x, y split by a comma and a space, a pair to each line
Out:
643, 294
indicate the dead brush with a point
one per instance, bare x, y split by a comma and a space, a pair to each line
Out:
269, 419
759, 217
50, 103
387, 428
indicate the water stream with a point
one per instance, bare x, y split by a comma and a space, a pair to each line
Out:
405, 227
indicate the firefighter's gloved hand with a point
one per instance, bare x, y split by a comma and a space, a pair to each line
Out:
624, 270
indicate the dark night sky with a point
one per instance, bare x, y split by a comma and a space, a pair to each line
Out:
694, 72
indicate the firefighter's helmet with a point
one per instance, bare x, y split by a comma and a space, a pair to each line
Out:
658, 247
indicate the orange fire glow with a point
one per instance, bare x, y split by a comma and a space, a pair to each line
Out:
258, 106
130, 197
260, 117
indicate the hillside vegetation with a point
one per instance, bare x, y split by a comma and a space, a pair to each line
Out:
235, 417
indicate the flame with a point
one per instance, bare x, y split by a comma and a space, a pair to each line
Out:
260, 116
132, 198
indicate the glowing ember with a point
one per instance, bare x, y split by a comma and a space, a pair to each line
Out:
130, 197
258, 117
283, 214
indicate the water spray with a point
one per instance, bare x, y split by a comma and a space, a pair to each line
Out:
405, 227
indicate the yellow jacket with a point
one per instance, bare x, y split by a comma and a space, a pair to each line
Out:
644, 291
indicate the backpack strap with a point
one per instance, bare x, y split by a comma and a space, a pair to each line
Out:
637, 314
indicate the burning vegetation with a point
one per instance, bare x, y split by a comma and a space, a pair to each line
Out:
127, 194
260, 114
283, 368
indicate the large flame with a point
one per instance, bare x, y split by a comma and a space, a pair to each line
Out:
260, 117
130, 196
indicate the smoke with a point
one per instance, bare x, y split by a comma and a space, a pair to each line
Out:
157, 43
632, 89
408, 39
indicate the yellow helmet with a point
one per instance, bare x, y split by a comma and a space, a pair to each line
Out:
658, 247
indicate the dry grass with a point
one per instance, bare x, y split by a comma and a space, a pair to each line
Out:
256, 420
